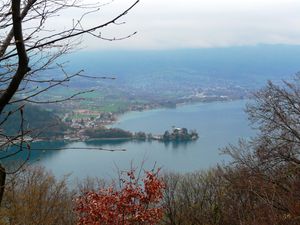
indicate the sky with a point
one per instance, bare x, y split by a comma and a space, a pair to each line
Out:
176, 24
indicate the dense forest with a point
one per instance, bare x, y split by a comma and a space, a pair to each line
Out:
36, 120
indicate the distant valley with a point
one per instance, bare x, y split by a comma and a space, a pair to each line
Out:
154, 79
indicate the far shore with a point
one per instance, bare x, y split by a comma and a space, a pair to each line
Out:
177, 105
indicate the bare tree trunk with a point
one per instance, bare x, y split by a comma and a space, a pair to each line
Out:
2, 182
19, 75
22, 56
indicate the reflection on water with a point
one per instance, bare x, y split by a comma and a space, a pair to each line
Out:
175, 145
168, 144
112, 142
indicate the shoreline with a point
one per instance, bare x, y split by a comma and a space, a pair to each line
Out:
118, 120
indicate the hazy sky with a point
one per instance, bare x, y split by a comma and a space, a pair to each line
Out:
165, 24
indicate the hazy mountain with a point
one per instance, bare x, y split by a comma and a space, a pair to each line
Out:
251, 65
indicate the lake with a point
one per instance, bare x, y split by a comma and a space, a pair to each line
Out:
217, 123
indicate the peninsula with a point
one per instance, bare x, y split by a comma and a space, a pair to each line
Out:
103, 133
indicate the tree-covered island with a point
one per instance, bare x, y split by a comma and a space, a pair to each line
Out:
180, 134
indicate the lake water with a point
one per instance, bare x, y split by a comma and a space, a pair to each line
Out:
218, 124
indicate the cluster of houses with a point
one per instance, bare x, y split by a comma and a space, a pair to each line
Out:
81, 119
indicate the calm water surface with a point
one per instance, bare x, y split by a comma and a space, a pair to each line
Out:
218, 124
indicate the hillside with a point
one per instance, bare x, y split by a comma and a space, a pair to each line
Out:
36, 119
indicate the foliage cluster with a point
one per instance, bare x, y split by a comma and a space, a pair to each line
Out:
134, 203
107, 133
